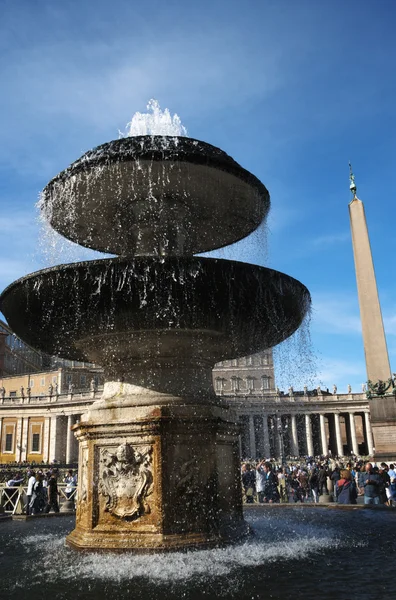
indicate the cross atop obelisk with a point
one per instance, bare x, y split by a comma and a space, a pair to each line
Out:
375, 349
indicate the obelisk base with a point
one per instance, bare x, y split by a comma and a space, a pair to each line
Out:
383, 423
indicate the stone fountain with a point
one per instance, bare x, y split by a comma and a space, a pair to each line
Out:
159, 455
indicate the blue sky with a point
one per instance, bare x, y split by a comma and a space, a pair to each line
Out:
292, 89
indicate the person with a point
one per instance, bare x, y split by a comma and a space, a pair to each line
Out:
271, 493
38, 499
335, 476
314, 484
345, 489
303, 479
322, 480
392, 484
282, 485
10, 495
248, 482
296, 488
15, 481
70, 481
29, 493
53, 493
260, 481
385, 493
372, 485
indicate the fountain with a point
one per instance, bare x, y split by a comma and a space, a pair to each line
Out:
159, 455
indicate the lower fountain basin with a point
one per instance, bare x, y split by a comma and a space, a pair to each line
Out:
167, 309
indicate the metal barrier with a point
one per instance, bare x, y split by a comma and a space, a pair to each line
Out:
13, 500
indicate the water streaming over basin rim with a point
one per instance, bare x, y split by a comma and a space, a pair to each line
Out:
142, 194
309, 553
236, 308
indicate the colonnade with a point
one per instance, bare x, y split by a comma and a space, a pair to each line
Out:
39, 438
305, 434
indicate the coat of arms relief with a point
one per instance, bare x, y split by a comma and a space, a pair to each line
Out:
126, 480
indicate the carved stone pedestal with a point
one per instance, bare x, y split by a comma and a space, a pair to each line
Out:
162, 477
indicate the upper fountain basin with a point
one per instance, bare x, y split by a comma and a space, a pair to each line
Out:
115, 310
155, 195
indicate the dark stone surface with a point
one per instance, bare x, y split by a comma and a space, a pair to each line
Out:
152, 195
186, 308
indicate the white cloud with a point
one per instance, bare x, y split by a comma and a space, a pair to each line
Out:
335, 314
331, 239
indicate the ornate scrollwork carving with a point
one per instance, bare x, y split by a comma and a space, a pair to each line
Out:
126, 480
380, 388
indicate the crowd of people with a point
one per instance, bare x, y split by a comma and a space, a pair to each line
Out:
266, 481
42, 492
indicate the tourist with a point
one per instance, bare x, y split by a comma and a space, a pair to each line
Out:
260, 481
385, 493
282, 485
323, 473
271, 493
345, 489
248, 482
313, 482
38, 499
303, 479
71, 482
392, 484
372, 483
31, 477
53, 493
297, 492
335, 476
16, 480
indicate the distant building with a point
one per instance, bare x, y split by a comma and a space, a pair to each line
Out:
16, 357
249, 375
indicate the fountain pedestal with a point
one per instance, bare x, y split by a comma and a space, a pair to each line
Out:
161, 477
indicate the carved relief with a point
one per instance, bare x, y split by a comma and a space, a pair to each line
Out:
82, 493
188, 483
126, 480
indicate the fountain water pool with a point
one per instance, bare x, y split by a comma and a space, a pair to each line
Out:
305, 553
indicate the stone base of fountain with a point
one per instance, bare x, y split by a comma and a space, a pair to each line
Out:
163, 477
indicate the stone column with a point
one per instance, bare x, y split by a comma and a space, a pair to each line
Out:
252, 437
340, 450
52, 440
355, 448
369, 434
46, 432
69, 439
18, 440
308, 432
278, 441
323, 436
294, 437
25, 434
266, 441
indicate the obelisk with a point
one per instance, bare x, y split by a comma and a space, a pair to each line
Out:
375, 349
383, 408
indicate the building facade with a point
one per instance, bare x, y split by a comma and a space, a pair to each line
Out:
36, 426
